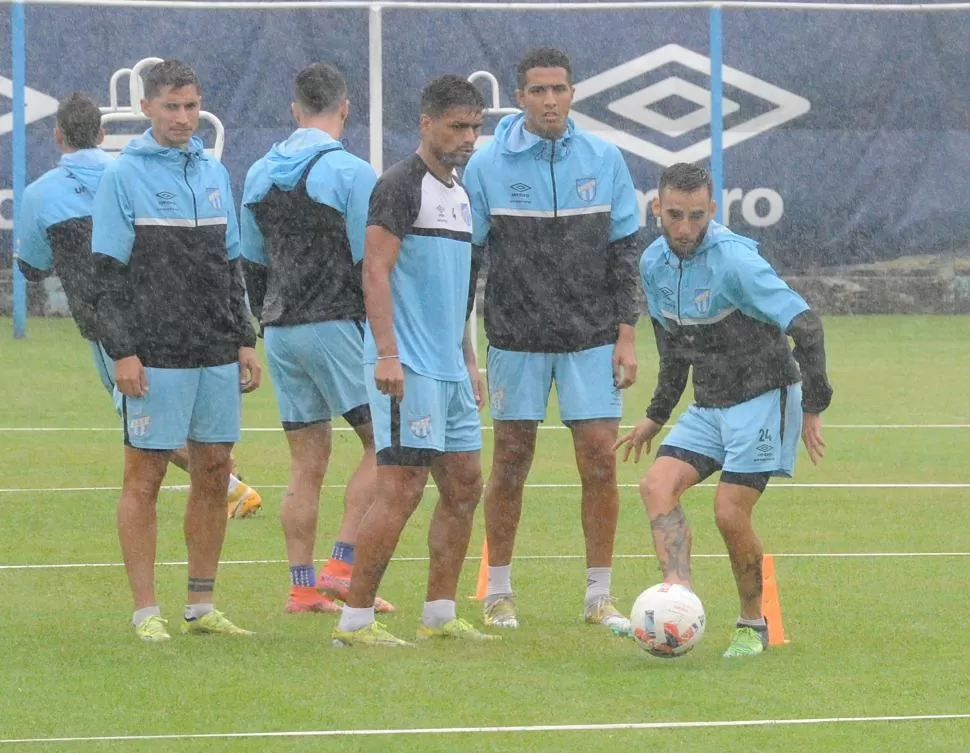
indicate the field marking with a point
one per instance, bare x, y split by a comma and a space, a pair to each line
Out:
499, 730
485, 427
257, 486
518, 557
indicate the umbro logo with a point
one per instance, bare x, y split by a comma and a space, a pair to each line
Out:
667, 292
520, 187
658, 105
165, 195
764, 449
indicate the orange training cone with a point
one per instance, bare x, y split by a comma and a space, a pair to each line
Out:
770, 603
482, 588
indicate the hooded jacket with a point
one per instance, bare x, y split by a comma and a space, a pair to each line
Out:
303, 220
54, 230
166, 244
725, 312
559, 222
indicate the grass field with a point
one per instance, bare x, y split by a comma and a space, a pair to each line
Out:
872, 551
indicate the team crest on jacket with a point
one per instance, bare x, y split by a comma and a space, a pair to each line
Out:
466, 213
586, 188
421, 427
702, 300
214, 195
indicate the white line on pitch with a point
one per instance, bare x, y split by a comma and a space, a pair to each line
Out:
183, 487
790, 555
487, 427
499, 730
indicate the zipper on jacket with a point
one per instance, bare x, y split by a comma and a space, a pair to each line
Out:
185, 174
552, 173
680, 282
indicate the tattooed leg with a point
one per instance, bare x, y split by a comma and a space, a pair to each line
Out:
672, 540
733, 505
661, 489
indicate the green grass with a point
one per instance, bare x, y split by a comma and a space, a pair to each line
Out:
871, 635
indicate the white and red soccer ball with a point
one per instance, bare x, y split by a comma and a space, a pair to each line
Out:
667, 620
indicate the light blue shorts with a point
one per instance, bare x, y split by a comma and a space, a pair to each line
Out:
433, 415
203, 405
519, 384
759, 435
317, 372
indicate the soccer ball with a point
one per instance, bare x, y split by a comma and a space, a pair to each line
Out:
667, 620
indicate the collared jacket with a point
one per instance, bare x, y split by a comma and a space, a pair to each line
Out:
724, 312
166, 244
558, 222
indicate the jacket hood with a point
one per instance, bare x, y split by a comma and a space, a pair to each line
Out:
287, 160
86, 166
716, 234
145, 145
515, 139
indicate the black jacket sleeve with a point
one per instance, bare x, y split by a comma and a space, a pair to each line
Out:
241, 313
32, 273
806, 330
113, 307
256, 276
672, 379
625, 267
478, 254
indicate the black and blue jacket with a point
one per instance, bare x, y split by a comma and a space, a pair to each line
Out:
725, 312
558, 221
169, 285
302, 223
54, 230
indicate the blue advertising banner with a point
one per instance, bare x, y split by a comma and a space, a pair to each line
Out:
845, 134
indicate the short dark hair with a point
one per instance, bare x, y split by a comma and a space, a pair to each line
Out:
447, 92
542, 57
79, 120
172, 73
319, 88
686, 177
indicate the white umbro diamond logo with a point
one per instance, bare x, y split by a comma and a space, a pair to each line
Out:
637, 108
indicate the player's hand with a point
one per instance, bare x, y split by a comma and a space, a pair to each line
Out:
812, 437
250, 372
624, 363
639, 439
478, 384
389, 377
130, 377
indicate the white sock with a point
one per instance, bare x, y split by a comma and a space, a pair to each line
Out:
140, 614
499, 580
352, 618
758, 624
598, 582
195, 611
437, 613
233, 484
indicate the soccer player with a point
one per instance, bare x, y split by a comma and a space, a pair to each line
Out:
718, 307
422, 376
556, 208
55, 236
171, 312
302, 221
